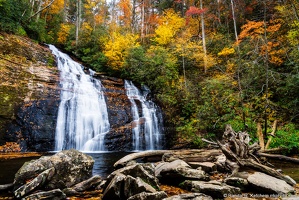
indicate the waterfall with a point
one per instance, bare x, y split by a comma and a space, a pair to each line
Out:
82, 121
147, 132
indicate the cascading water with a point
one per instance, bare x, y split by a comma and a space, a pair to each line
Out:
147, 132
82, 120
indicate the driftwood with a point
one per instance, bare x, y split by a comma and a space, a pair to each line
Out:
123, 161
6, 187
279, 157
236, 148
188, 155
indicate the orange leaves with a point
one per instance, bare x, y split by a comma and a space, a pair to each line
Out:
259, 31
194, 11
252, 29
126, 9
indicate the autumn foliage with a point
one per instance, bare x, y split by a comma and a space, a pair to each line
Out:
208, 63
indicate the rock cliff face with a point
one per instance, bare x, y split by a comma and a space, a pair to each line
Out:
30, 96
120, 117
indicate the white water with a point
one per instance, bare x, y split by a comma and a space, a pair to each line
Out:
147, 134
82, 120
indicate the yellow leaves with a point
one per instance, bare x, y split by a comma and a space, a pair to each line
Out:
56, 7
226, 51
293, 34
63, 33
165, 35
116, 49
170, 24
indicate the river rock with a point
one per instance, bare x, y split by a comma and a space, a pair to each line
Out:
134, 186
144, 171
237, 182
170, 165
269, 184
190, 196
178, 171
205, 166
38, 181
212, 188
56, 194
149, 196
114, 190
71, 167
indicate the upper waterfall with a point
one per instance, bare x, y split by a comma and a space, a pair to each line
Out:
82, 120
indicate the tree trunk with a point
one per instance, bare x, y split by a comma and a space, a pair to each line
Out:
274, 127
205, 60
260, 136
78, 22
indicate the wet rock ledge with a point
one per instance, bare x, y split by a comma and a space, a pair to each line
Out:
200, 174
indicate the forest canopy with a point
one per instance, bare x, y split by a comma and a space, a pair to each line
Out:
208, 63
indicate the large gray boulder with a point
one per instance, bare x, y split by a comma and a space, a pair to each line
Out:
131, 181
269, 184
71, 167
214, 189
177, 171
143, 171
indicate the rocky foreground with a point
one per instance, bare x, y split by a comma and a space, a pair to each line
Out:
200, 174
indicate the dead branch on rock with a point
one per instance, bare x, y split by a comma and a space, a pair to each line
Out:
235, 146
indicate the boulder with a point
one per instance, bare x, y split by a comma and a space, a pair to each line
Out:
71, 167
134, 186
56, 194
143, 171
88, 184
149, 196
237, 182
205, 166
178, 171
166, 166
212, 188
38, 181
190, 196
115, 189
268, 184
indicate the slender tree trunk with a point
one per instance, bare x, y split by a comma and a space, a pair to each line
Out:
274, 127
234, 20
203, 38
65, 13
266, 57
78, 22
133, 20
142, 19
260, 136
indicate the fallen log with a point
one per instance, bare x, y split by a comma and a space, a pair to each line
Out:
279, 157
188, 155
6, 186
133, 156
